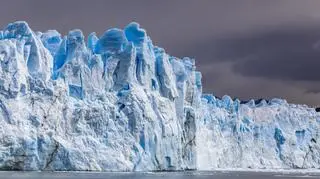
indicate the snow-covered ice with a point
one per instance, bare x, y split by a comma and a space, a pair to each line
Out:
119, 103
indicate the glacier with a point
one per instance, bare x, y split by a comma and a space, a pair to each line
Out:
119, 103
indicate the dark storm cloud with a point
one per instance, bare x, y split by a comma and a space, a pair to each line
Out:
288, 54
245, 48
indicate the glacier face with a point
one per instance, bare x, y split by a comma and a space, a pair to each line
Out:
258, 134
119, 103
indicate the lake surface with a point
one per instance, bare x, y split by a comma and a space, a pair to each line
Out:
166, 175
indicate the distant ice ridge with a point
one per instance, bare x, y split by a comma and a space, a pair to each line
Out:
119, 103
257, 135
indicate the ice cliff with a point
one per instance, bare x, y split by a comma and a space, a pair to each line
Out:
119, 103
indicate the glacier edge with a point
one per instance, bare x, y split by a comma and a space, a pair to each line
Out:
119, 103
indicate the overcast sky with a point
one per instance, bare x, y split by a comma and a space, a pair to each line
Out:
244, 48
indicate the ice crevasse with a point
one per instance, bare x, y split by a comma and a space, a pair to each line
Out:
119, 103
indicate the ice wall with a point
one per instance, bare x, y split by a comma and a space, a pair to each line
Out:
119, 103
257, 134
114, 103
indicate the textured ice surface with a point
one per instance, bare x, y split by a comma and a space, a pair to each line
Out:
119, 103
258, 134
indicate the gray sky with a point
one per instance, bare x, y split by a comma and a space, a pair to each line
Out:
244, 48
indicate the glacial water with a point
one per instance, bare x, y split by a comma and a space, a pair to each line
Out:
167, 175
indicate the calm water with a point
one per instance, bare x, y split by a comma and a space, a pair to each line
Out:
166, 175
